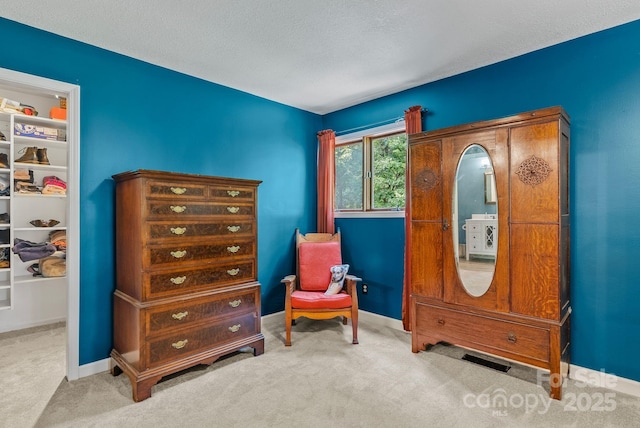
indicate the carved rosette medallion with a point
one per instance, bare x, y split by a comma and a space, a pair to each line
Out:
426, 179
533, 171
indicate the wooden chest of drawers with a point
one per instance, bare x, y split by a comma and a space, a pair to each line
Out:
186, 273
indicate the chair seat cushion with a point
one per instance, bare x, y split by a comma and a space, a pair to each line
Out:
319, 300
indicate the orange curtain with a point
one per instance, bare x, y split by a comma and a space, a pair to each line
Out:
326, 180
413, 124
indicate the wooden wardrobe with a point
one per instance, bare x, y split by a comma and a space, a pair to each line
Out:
524, 313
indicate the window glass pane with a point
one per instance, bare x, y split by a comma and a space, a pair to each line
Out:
389, 164
349, 176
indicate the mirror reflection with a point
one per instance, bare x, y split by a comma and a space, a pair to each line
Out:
489, 187
475, 214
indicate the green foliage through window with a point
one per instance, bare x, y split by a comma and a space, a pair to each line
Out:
370, 173
349, 176
389, 166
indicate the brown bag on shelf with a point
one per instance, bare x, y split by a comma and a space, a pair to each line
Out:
51, 267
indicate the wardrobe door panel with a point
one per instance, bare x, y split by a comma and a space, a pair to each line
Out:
534, 272
426, 260
426, 181
534, 177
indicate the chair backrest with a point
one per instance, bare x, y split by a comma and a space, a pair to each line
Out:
316, 253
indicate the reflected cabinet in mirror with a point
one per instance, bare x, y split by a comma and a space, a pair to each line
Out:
488, 239
476, 226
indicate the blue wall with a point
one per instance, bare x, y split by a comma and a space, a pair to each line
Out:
597, 80
374, 249
130, 120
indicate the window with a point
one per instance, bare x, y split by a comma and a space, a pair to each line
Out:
370, 172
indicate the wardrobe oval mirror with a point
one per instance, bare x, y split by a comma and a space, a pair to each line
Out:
475, 236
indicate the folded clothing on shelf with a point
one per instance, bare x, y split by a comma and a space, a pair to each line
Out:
23, 174
4, 258
53, 185
26, 187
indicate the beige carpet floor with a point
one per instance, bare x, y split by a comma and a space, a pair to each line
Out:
321, 381
32, 365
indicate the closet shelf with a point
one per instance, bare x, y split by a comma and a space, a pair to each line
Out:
35, 229
40, 167
36, 195
24, 279
40, 142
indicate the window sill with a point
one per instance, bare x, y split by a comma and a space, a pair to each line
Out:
368, 214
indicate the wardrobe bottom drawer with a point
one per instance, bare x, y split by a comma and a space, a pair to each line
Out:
501, 337
188, 342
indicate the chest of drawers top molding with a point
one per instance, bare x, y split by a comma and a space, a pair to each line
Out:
201, 187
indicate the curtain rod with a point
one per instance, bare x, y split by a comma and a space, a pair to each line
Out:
371, 125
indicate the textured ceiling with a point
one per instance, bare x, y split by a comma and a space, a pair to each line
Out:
321, 55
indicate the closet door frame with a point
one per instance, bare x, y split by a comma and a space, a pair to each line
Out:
28, 82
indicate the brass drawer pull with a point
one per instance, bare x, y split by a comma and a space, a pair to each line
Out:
179, 315
178, 280
233, 193
233, 210
179, 190
235, 303
178, 230
233, 229
233, 249
179, 254
233, 272
178, 208
180, 344
440, 321
234, 328
511, 337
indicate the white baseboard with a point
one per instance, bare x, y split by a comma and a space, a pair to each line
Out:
381, 320
580, 374
25, 325
602, 379
93, 368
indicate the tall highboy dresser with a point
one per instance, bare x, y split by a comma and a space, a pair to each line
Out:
186, 273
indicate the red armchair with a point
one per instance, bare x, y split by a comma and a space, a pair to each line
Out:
305, 295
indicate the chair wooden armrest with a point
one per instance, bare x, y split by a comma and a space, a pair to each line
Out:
351, 282
290, 282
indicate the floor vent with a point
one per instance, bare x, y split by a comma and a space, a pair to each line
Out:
486, 363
